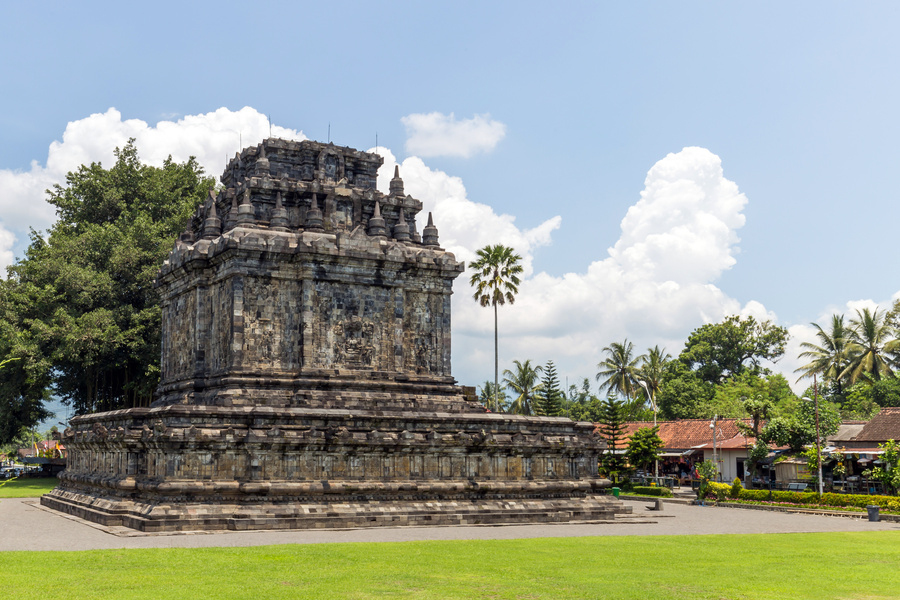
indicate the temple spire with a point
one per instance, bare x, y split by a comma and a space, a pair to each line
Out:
377, 227
314, 216
401, 229
279, 221
396, 186
262, 163
246, 213
212, 226
430, 234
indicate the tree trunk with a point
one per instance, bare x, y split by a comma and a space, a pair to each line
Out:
496, 365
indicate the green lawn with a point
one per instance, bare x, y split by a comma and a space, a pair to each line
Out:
771, 567
26, 487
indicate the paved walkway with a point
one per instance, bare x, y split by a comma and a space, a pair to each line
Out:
25, 525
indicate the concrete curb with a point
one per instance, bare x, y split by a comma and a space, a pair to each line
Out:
808, 511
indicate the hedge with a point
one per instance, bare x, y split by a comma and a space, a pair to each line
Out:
646, 490
722, 491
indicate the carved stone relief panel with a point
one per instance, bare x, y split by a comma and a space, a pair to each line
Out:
271, 320
421, 333
219, 342
351, 326
178, 331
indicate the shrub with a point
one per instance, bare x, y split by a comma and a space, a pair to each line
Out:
646, 490
736, 488
836, 500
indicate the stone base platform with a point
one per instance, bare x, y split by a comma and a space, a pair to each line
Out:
186, 467
151, 518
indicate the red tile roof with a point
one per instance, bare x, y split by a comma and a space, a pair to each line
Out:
688, 433
882, 427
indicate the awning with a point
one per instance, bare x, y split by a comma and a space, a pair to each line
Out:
669, 454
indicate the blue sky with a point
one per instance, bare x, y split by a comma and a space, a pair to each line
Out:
796, 101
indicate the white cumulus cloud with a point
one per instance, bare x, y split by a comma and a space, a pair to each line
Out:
655, 285
464, 225
212, 137
437, 134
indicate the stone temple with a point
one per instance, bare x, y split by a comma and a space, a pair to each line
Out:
305, 376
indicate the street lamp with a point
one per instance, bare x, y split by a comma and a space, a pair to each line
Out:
715, 453
818, 440
653, 406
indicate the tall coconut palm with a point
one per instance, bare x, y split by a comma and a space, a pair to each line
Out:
524, 382
496, 282
870, 344
651, 371
830, 359
619, 371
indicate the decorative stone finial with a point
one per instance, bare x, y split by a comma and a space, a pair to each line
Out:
279, 221
212, 226
396, 186
430, 234
187, 236
401, 229
314, 216
376, 223
231, 219
262, 163
246, 216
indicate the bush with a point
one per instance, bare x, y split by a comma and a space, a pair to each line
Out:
736, 488
836, 500
646, 490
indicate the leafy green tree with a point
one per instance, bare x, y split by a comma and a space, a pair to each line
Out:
612, 429
831, 358
889, 473
738, 396
707, 471
582, 405
496, 282
495, 401
756, 454
857, 401
592, 410
549, 396
886, 391
684, 394
644, 447
870, 346
79, 309
798, 429
722, 350
523, 381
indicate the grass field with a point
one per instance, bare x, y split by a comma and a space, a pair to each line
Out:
26, 487
772, 567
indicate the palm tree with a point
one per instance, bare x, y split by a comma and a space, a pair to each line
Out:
494, 401
651, 372
620, 369
496, 282
830, 359
524, 382
869, 346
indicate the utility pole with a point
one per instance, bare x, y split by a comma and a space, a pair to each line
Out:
653, 406
715, 450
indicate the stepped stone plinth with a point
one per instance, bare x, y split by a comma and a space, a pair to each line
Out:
305, 376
